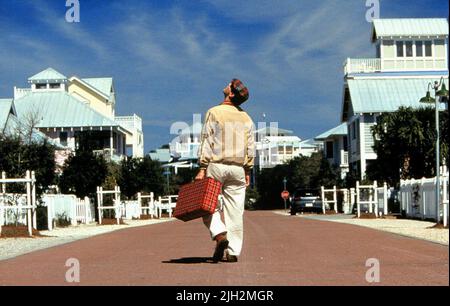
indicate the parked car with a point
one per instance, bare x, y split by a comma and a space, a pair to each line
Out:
306, 200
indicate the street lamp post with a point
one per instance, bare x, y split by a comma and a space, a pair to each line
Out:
443, 92
284, 182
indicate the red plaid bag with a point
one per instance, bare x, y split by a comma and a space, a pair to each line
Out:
197, 199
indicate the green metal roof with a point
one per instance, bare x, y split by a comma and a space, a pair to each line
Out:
5, 109
48, 74
410, 27
101, 84
309, 143
59, 109
387, 95
340, 130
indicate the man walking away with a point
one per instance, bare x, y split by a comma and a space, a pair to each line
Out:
226, 154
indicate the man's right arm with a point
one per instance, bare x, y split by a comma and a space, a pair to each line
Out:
205, 149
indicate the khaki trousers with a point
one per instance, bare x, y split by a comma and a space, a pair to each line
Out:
233, 192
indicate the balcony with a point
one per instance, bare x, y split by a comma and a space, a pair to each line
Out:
362, 65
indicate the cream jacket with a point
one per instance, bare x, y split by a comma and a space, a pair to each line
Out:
227, 138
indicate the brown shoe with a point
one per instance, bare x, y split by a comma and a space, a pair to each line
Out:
232, 258
221, 246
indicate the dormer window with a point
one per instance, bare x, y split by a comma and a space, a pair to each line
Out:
409, 48
419, 49
400, 52
428, 49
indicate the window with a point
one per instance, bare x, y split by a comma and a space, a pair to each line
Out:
428, 52
354, 130
63, 138
419, 48
41, 86
400, 52
439, 48
409, 48
330, 149
288, 149
55, 85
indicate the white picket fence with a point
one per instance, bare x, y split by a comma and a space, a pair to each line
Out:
75, 209
367, 198
418, 198
166, 203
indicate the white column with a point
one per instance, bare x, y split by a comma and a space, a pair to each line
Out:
323, 198
111, 142
33, 199
385, 198
375, 197
100, 204
358, 205
335, 199
29, 220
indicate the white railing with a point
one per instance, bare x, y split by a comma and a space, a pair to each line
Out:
362, 65
326, 202
117, 206
6, 204
418, 198
167, 203
149, 208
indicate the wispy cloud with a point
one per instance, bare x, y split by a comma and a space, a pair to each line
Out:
171, 59
73, 32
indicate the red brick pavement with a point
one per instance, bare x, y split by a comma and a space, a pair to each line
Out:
278, 251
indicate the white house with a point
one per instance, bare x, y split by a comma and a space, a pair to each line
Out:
70, 109
335, 144
276, 146
410, 54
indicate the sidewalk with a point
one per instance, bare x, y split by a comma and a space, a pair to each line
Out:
409, 228
13, 247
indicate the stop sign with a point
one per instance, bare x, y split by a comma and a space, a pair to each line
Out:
285, 194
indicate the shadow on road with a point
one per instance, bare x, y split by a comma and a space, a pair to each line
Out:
190, 260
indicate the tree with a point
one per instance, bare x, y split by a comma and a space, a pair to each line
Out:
301, 172
82, 173
17, 156
405, 145
141, 175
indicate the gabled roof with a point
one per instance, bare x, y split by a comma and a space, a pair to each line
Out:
280, 139
386, 95
47, 75
91, 87
6, 108
309, 143
104, 85
340, 130
406, 27
59, 109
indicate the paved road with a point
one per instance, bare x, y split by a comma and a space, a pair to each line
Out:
278, 250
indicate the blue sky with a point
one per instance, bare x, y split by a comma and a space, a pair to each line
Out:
171, 59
